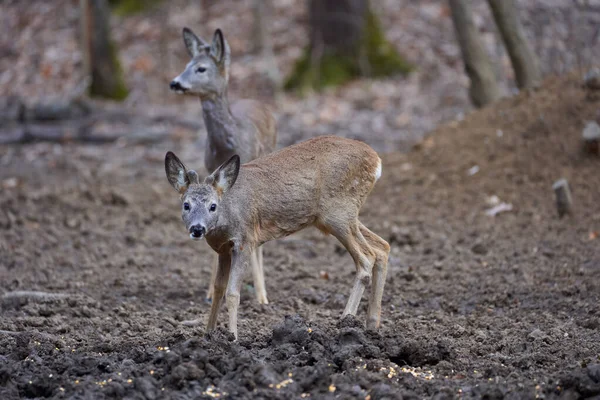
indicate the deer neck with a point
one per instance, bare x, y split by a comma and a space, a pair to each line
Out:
219, 122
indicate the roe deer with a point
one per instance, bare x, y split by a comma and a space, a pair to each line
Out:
246, 127
322, 182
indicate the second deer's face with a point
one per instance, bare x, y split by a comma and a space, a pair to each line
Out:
201, 77
206, 74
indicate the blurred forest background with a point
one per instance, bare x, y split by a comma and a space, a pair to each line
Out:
43, 62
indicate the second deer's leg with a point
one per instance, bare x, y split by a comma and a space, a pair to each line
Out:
219, 286
259, 277
382, 251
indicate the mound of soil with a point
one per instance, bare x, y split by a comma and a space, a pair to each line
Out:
98, 274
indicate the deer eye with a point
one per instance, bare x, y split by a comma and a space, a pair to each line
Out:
186, 206
213, 207
201, 69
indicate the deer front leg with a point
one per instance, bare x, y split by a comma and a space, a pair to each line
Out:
219, 285
213, 275
259, 276
242, 256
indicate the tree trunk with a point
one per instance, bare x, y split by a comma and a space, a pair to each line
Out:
336, 27
346, 41
262, 43
523, 59
101, 62
484, 89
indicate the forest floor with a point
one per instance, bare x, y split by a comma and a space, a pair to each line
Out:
474, 305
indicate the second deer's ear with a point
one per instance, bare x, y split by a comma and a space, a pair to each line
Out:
217, 48
225, 176
177, 174
193, 43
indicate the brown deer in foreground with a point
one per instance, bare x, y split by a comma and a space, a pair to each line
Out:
244, 127
322, 182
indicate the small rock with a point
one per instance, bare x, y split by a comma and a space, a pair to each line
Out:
10, 183
72, 222
402, 236
537, 334
458, 330
116, 199
591, 131
592, 79
473, 170
591, 137
493, 200
480, 335
479, 248
594, 372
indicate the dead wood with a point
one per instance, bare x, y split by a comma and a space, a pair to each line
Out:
564, 200
75, 120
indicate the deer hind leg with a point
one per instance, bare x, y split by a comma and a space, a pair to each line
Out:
259, 276
363, 256
382, 251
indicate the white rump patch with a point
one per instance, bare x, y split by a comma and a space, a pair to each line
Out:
378, 171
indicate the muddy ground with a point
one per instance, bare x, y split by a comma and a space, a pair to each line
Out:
474, 306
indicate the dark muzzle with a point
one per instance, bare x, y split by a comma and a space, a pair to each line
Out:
176, 86
197, 231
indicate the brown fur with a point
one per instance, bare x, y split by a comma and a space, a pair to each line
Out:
322, 182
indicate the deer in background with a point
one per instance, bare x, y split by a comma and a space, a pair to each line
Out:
322, 182
244, 127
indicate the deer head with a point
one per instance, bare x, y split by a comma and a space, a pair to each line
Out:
207, 73
200, 201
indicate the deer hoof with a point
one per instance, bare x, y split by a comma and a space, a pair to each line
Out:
263, 301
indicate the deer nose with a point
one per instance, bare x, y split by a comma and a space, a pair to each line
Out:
175, 85
197, 231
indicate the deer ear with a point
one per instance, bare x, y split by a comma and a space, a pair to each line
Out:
225, 176
177, 174
217, 48
193, 43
